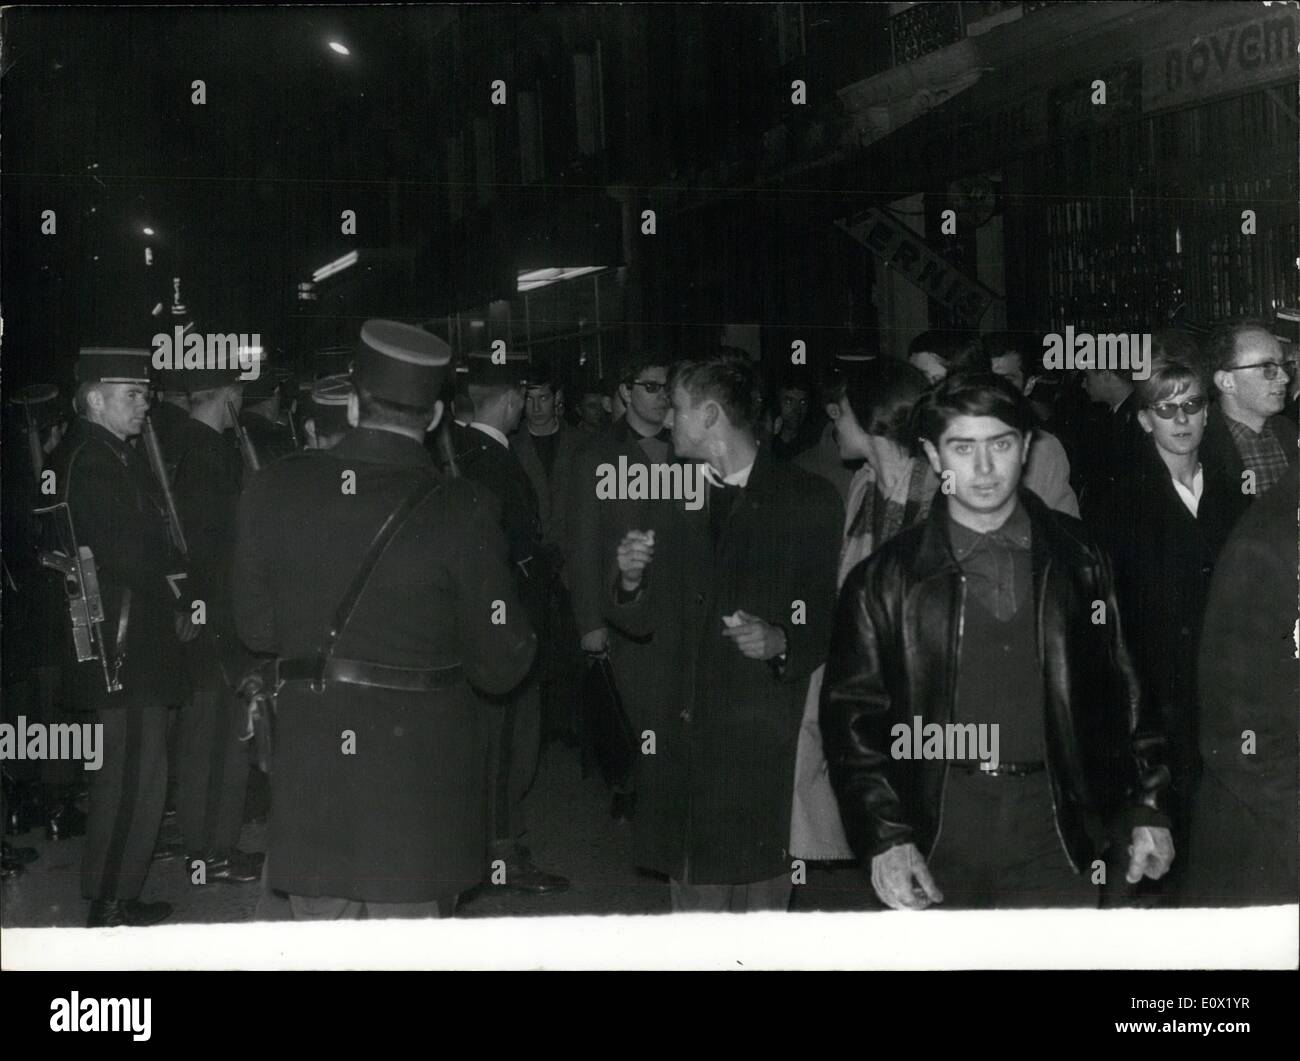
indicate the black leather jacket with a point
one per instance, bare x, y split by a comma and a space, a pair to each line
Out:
894, 653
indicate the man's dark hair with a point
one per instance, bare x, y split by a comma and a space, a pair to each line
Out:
651, 359
540, 374
597, 385
1003, 344
882, 394
726, 378
1221, 343
959, 350
385, 413
794, 380
971, 394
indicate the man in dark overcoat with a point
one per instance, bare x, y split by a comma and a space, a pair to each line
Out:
379, 784
595, 527
748, 585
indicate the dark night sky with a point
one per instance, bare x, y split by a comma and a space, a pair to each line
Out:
244, 192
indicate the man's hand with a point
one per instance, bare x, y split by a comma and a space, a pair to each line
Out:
755, 638
596, 642
902, 880
1150, 853
635, 552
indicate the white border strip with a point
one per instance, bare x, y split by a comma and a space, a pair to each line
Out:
1260, 938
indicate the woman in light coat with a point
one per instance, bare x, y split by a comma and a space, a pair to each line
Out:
870, 407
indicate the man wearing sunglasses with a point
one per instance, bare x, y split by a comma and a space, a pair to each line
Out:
597, 525
1246, 436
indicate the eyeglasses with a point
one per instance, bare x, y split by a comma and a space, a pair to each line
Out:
650, 386
1270, 368
1168, 410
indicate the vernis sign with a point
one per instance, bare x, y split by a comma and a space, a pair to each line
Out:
903, 250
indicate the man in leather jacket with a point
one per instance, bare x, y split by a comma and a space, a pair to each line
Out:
995, 615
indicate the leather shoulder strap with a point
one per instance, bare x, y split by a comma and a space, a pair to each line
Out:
378, 546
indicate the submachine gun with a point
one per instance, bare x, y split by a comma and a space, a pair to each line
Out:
76, 564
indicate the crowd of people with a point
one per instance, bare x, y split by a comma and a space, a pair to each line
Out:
415, 561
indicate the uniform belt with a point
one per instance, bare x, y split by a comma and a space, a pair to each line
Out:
317, 670
1003, 769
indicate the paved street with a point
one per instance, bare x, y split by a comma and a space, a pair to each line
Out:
572, 833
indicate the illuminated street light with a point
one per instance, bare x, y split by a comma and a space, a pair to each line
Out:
147, 230
335, 46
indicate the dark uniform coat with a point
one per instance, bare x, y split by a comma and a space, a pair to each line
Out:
271, 439
171, 424
483, 460
402, 817
714, 801
118, 511
208, 481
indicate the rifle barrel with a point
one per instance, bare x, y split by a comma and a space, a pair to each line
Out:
153, 451
246, 449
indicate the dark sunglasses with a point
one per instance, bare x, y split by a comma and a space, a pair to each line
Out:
649, 385
1168, 410
1270, 368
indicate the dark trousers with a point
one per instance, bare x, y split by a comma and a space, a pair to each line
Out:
213, 769
562, 669
514, 744
126, 802
773, 894
998, 847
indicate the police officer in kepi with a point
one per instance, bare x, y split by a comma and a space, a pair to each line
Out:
117, 511
212, 763
482, 452
326, 420
383, 591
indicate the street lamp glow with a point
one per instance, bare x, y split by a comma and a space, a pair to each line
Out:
340, 48
147, 231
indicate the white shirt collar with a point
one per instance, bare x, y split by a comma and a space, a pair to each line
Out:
1191, 498
740, 478
491, 432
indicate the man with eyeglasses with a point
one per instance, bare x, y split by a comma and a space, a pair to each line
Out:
596, 526
1246, 436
